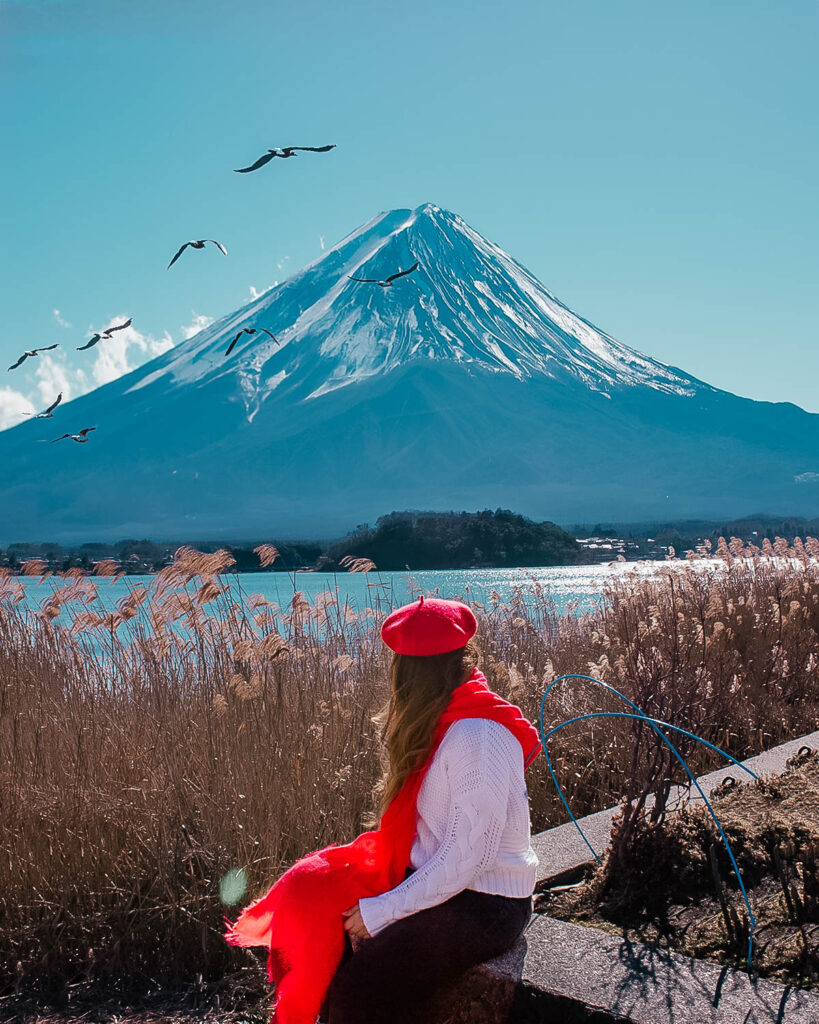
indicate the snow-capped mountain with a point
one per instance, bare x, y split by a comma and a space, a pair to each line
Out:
469, 302
464, 385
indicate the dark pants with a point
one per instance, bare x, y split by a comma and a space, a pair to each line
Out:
392, 974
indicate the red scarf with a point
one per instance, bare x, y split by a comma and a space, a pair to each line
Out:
299, 919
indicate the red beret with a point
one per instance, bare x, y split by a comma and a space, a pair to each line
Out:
429, 626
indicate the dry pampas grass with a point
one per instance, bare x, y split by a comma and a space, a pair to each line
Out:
192, 729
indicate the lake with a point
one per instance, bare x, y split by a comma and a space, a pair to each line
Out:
576, 583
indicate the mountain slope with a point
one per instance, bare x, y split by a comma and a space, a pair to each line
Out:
468, 302
464, 385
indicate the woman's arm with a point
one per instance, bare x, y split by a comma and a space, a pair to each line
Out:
480, 767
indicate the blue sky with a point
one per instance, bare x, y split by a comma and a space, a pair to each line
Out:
655, 165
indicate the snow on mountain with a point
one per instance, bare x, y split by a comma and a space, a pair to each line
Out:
469, 301
464, 385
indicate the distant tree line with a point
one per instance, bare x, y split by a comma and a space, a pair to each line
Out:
688, 535
421, 540
459, 540
429, 540
146, 556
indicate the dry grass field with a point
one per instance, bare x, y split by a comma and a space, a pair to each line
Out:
150, 751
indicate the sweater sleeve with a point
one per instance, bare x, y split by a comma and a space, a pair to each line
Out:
479, 764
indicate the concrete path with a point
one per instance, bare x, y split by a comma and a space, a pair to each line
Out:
646, 985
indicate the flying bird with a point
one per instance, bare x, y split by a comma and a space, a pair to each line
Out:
195, 245
47, 415
284, 153
104, 334
32, 352
249, 330
79, 438
387, 282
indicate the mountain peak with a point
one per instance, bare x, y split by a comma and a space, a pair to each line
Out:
468, 303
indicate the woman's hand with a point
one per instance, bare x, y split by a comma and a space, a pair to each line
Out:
354, 923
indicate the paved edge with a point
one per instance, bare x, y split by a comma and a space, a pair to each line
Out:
649, 985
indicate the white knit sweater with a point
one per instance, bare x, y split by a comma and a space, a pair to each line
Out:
472, 825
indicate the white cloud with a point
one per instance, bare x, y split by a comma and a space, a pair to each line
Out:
122, 353
195, 326
156, 346
321, 242
258, 293
73, 374
54, 375
57, 372
13, 406
805, 478
59, 319
281, 263
112, 359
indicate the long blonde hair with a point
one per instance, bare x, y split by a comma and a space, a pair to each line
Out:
421, 688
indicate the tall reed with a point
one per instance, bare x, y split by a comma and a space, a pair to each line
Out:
195, 729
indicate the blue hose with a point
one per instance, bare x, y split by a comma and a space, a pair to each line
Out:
656, 725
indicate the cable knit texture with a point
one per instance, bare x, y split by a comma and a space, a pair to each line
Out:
472, 825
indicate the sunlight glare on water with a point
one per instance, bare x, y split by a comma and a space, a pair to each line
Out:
364, 599
582, 584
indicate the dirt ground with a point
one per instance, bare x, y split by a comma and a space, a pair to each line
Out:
680, 891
